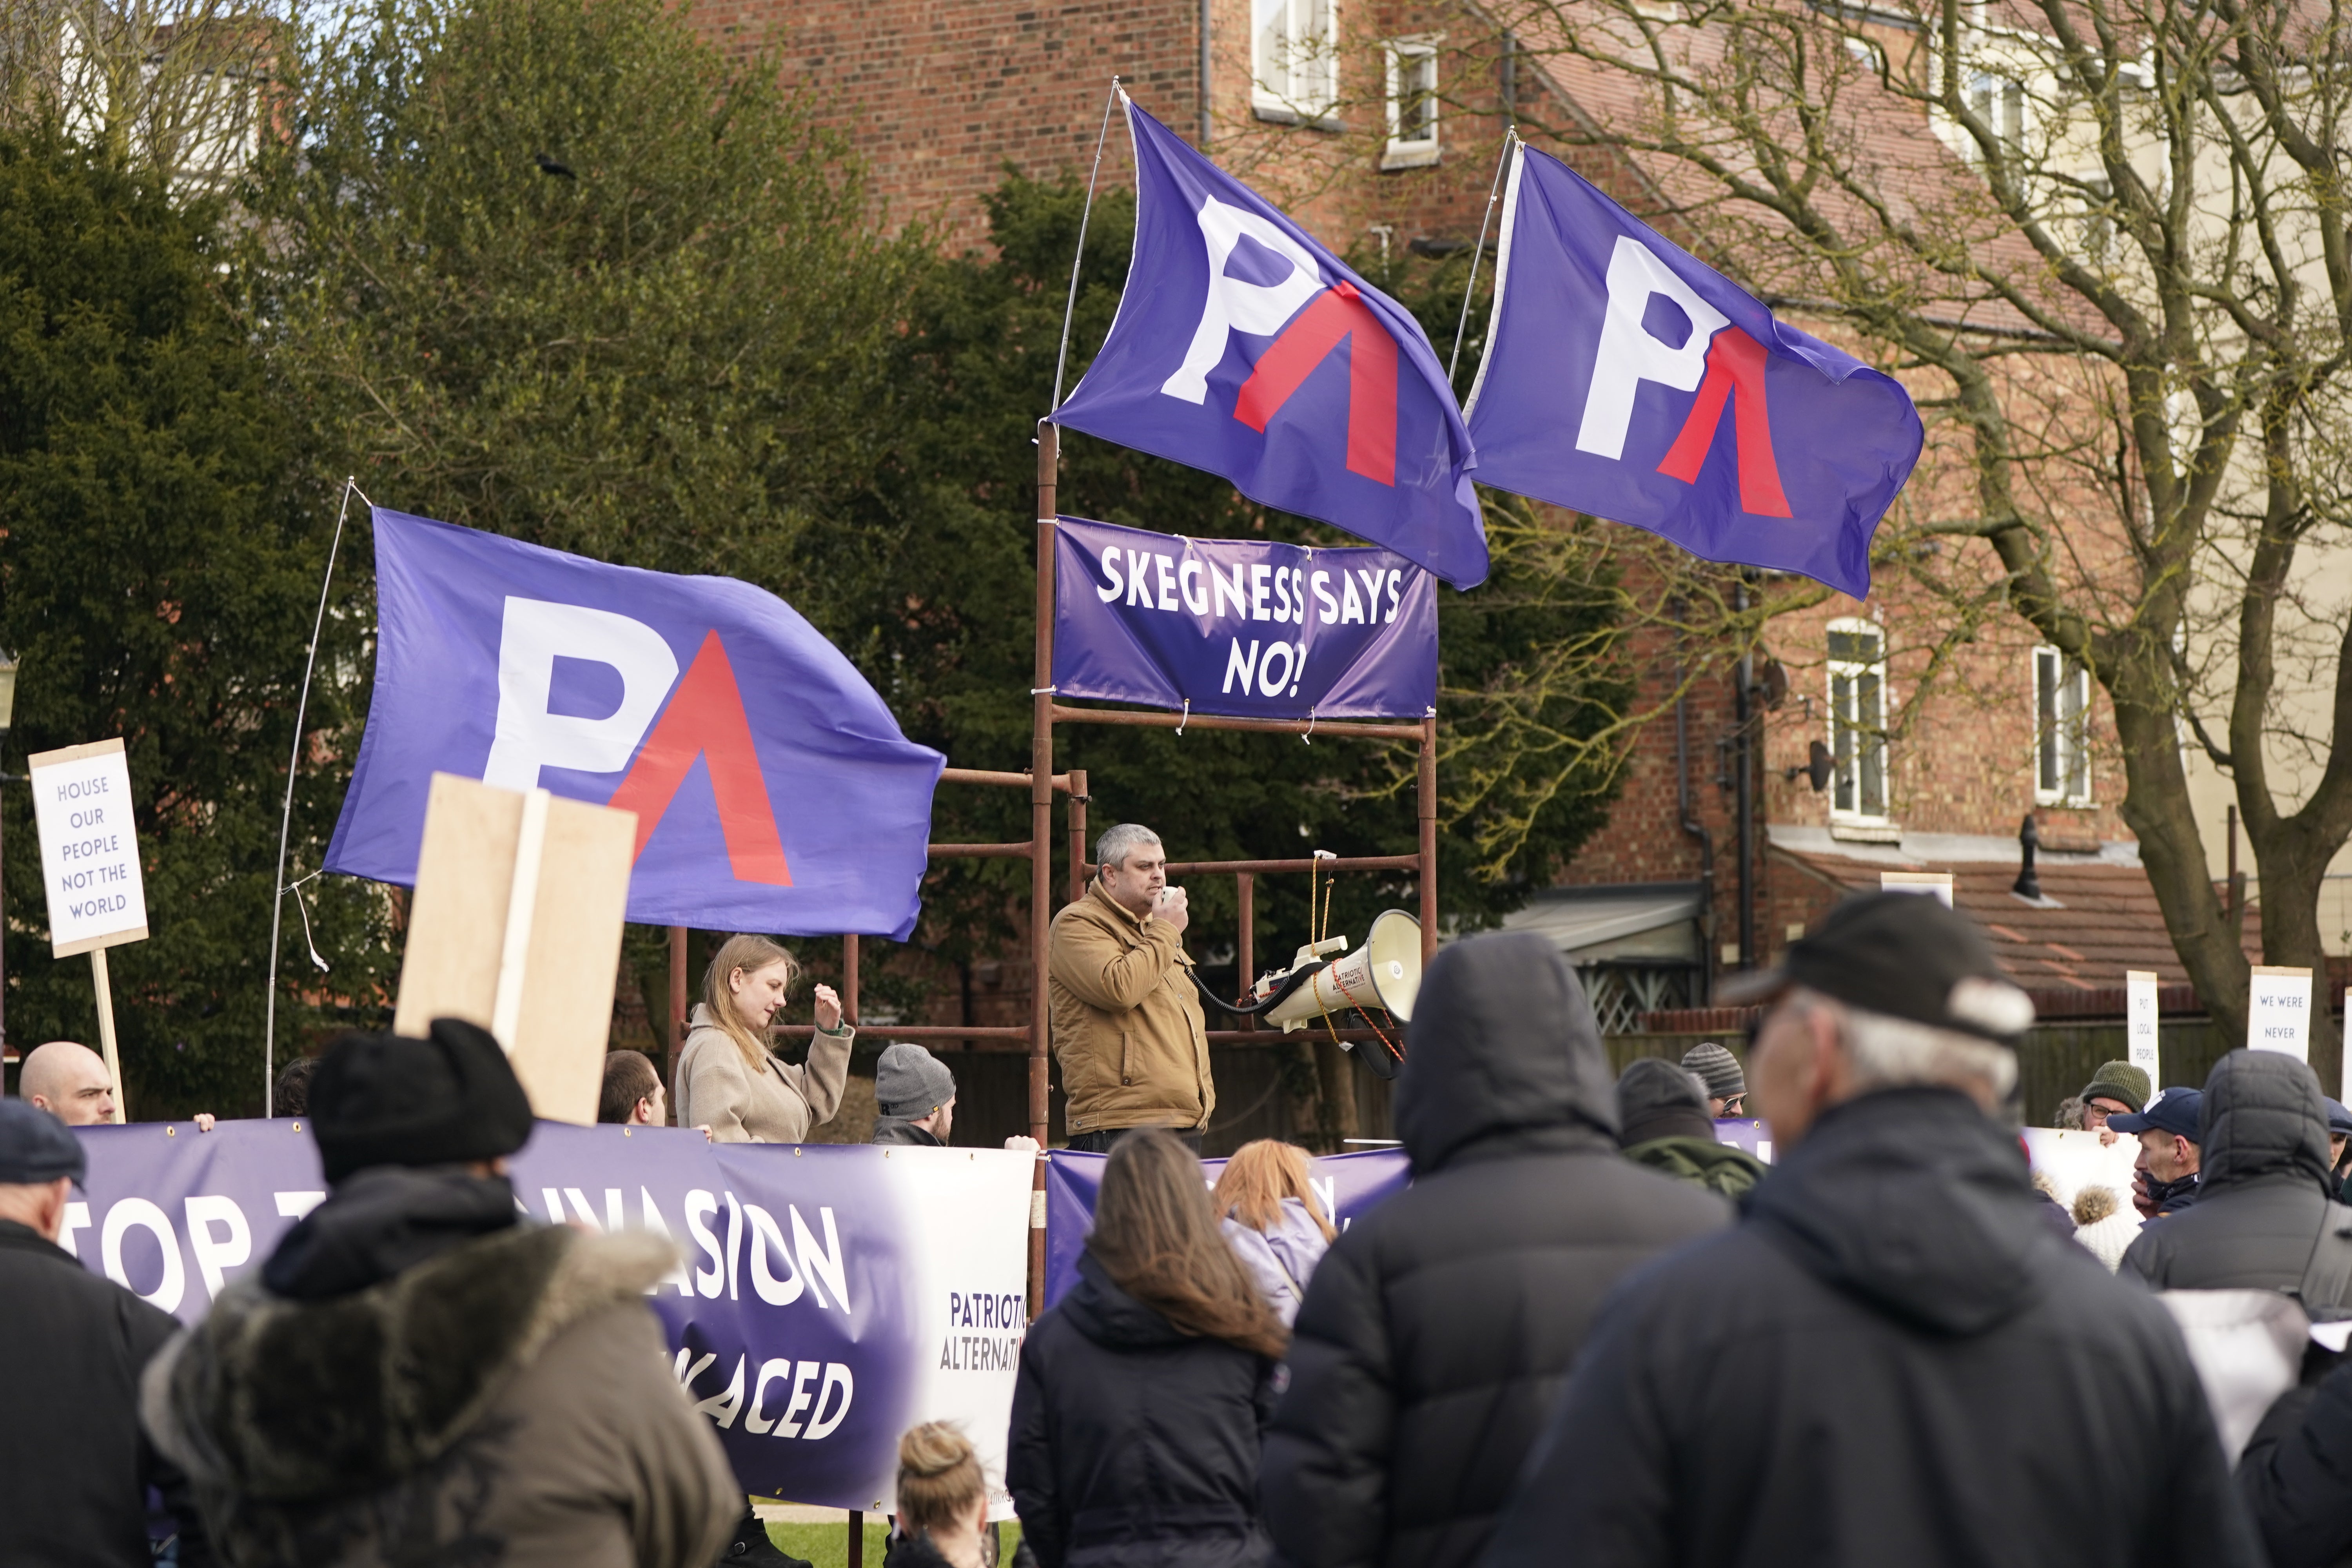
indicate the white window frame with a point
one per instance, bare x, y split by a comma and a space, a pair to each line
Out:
2061, 730
1999, 99
1411, 146
1858, 700
1294, 72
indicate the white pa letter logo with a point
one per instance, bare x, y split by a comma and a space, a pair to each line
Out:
1235, 305
534, 635
1630, 354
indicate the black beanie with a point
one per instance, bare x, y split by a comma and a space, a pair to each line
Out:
387, 1099
1655, 1099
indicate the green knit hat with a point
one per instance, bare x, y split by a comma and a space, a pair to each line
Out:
2119, 1080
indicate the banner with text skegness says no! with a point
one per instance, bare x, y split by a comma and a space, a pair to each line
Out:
1240, 627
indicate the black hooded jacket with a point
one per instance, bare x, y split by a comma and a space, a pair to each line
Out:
2264, 1198
1890, 1360
1134, 1442
1436, 1333
74, 1466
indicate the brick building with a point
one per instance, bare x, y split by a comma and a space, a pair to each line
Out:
1341, 117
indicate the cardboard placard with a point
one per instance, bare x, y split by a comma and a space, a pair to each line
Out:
90, 847
516, 926
2278, 1011
2140, 1011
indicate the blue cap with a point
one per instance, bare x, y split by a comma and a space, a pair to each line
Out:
34, 1146
2339, 1119
2179, 1111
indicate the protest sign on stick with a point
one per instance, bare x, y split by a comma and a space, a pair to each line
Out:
2140, 1017
517, 927
2278, 1011
90, 866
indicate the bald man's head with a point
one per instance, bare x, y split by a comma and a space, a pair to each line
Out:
70, 1083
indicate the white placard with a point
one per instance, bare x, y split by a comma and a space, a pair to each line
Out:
2140, 1032
2073, 1160
2278, 1011
90, 847
1939, 883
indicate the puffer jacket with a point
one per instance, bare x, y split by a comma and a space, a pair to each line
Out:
1127, 1031
1282, 1258
1724, 1169
2263, 1200
1439, 1329
1890, 1360
418, 1378
1134, 1443
2294, 1474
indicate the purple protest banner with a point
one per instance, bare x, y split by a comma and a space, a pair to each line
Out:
1243, 347
1748, 1134
1241, 627
1627, 379
829, 1296
772, 788
1348, 1184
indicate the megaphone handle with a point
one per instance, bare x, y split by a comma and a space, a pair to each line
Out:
1291, 983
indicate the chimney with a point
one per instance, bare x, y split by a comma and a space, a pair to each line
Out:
2029, 838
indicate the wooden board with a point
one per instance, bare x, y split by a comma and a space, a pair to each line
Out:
458, 925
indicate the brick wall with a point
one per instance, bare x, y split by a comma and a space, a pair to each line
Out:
940, 95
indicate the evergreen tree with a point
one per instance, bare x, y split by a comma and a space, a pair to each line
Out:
567, 272
158, 576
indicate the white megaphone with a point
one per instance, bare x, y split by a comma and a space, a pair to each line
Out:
1385, 973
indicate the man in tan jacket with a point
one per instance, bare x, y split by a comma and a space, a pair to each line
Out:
1127, 1027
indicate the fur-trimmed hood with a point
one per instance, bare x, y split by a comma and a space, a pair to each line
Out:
286, 1401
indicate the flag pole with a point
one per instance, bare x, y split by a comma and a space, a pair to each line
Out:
1070, 307
1510, 136
286, 818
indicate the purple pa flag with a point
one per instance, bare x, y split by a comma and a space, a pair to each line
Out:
1239, 627
772, 789
1628, 379
1245, 348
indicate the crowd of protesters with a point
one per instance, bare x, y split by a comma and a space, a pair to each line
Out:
1587, 1330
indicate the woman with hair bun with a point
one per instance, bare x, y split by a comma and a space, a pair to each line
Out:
942, 1501
729, 1080
1267, 1209
1142, 1394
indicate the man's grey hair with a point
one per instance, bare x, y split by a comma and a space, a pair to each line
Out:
1895, 1053
1117, 843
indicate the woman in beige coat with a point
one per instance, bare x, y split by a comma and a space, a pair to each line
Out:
728, 1080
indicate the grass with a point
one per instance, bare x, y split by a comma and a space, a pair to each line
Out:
827, 1545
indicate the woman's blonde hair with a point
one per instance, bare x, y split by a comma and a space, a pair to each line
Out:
1258, 1177
751, 954
1157, 1240
939, 1478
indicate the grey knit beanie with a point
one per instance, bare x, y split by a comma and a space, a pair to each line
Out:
1718, 1068
1656, 1099
910, 1082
